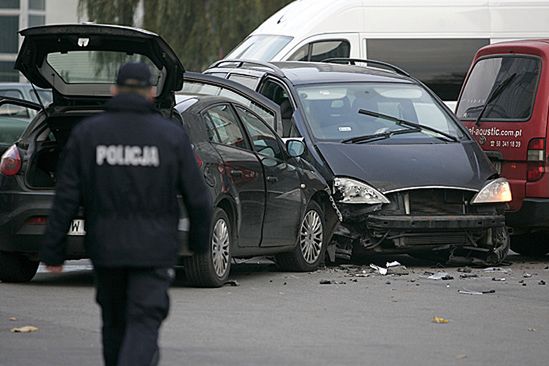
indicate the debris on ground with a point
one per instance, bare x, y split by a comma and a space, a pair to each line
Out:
382, 271
497, 269
393, 264
500, 279
465, 269
468, 275
444, 276
470, 292
542, 283
12, 319
25, 329
461, 357
332, 282
233, 283
526, 275
532, 329
439, 320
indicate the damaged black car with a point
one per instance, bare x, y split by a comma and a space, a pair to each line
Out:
405, 175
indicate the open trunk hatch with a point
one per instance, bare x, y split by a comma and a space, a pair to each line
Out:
80, 61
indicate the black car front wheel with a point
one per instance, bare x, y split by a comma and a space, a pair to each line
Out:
311, 246
211, 268
16, 268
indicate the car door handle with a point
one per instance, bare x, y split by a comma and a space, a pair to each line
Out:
272, 179
236, 173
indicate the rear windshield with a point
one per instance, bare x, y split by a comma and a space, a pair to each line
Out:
518, 74
94, 67
260, 48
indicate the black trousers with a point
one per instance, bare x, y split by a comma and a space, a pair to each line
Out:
134, 302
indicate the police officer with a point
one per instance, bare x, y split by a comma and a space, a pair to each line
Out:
125, 167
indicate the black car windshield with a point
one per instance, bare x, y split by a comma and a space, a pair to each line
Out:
260, 47
332, 110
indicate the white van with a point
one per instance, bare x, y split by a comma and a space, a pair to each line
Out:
434, 40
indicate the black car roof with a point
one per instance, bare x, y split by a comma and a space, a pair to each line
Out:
300, 73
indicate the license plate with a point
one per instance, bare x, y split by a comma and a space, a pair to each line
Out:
77, 228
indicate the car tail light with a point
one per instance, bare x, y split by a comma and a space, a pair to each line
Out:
536, 150
536, 159
11, 161
37, 220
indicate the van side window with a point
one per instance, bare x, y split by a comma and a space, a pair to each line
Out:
321, 50
440, 63
278, 94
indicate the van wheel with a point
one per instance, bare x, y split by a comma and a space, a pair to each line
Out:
211, 268
16, 268
534, 244
311, 245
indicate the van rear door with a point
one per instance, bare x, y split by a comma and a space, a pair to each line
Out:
504, 105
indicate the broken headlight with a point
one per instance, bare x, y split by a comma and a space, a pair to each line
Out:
348, 190
497, 191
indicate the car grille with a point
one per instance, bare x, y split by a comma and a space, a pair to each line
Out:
433, 202
433, 239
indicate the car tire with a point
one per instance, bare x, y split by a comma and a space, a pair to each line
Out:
16, 268
211, 268
311, 243
534, 244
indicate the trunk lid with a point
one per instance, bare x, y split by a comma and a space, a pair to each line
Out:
79, 62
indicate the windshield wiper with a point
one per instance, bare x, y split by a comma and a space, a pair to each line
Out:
378, 136
407, 123
496, 92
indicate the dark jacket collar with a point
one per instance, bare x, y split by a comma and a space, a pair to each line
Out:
130, 103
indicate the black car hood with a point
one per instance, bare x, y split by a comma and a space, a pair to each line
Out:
393, 167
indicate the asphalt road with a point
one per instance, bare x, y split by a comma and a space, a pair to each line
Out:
276, 318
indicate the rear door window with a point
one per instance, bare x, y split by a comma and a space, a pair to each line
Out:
513, 103
222, 126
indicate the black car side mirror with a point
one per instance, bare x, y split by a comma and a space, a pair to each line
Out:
295, 148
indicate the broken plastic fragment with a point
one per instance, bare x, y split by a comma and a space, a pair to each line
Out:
497, 269
440, 276
382, 271
25, 329
439, 320
469, 292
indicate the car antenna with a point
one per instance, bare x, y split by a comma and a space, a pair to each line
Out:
39, 99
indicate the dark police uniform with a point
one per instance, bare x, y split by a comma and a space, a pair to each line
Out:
126, 167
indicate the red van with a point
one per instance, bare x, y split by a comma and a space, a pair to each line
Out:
504, 103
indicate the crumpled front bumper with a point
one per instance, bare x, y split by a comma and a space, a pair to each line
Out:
419, 223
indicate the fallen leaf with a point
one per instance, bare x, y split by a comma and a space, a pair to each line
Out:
439, 320
25, 329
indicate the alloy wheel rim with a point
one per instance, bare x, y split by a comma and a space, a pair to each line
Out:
311, 237
220, 248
